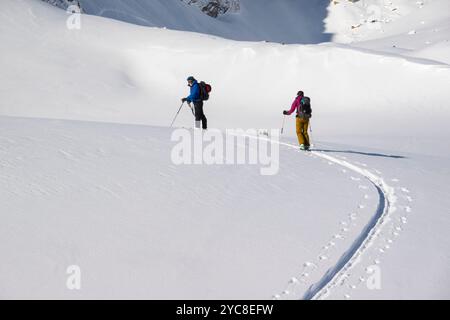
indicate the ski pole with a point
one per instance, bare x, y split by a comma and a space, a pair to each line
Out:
192, 109
282, 127
177, 115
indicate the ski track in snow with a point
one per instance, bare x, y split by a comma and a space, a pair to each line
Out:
338, 273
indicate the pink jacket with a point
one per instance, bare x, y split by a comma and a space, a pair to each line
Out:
295, 104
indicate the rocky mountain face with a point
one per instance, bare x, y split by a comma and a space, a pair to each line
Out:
63, 4
212, 8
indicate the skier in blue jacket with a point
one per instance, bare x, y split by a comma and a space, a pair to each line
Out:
195, 98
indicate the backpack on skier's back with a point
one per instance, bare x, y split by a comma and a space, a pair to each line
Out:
305, 110
205, 89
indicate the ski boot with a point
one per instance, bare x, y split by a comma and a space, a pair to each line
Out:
304, 147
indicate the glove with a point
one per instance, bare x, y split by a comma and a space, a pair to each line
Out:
285, 112
184, 100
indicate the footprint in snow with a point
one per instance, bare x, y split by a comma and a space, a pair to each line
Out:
405, 190
323, 258
369, 269
404, 220
366, 196
342, 282
407, 209
361, 206
355, 179
395, 180
363, 187
309, 265
293, 280
329, 245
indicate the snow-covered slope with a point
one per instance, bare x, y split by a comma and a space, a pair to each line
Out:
372, 19
140, 76
411, 28
108, 198
279, 21
414, 28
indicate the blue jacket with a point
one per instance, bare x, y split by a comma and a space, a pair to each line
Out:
195, 93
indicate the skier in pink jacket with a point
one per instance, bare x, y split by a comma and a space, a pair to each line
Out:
303, 106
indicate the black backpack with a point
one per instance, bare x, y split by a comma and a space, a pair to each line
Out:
305, 107
205, 89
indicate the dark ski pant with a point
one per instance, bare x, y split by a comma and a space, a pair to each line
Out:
200, 115
302, 131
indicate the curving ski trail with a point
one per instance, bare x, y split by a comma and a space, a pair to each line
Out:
351, 257
387, 199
